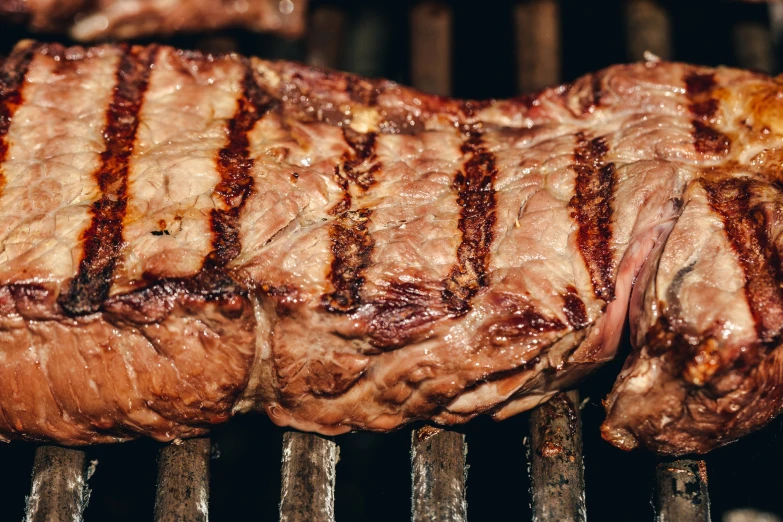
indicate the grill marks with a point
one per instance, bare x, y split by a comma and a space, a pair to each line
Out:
12, 74
574, 309
746, 227
474, 185
103, 239
352, 244
591, 100
352, 247
522, 324
591, 207
235, 165
706, 139
403, 312
710, 141
359, 167
362, 166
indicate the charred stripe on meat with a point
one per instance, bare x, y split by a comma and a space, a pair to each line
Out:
403, 312
103, 239
235, 166
574, 309
475, 187
746, 228
361, 166
12, 74
352, 247
352, 244
706, 139
592, 99
591, 207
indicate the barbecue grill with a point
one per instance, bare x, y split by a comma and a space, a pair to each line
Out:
533, 464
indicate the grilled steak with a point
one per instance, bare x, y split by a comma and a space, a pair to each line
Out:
707, 310
87, 20
189, 236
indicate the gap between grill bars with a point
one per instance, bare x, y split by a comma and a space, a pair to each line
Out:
438, 456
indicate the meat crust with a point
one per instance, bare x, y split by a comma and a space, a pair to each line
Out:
189, 236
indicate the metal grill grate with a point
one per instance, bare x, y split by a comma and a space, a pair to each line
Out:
438, 456
58, 491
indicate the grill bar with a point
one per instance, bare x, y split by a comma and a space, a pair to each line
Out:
438, 456
755, 39
681, 492
307, 490
776, 23
367, 40
325, 37
648, 28
58, 492
538, 43
431, 29
556, 465
183, 482
749, 515
555, 461
753, 46
681, 486
438, 460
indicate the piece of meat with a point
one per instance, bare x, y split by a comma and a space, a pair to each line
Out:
88, 20
708, 312
187, 236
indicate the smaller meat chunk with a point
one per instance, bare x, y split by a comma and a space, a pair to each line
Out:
110, 19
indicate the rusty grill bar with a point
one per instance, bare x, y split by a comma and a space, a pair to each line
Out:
59, 490
309, 471
438, 456
439, 473
183, 482
556, 467
681, 492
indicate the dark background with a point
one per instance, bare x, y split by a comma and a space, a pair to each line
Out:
373, 475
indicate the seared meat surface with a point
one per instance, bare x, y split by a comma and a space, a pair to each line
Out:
88, 20
186, 236
707, 311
